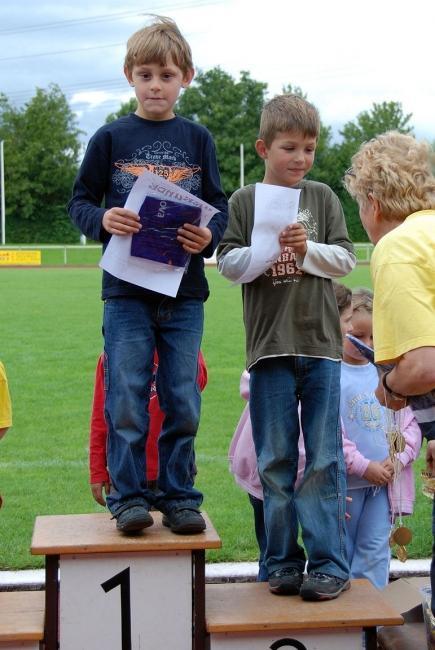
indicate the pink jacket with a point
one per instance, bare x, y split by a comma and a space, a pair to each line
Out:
243, 459
242, 456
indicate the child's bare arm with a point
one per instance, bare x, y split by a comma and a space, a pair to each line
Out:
120, 221
194, 238
294, 236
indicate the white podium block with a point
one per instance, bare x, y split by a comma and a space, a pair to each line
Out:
343, 640
248, 617
121, 592
21, 620
144, 594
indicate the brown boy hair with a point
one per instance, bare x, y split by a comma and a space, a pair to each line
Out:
155, 43
288, 112
343, 296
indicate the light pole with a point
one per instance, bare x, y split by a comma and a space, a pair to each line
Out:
242, 165
2, 191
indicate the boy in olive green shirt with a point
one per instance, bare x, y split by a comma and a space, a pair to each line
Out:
293, 345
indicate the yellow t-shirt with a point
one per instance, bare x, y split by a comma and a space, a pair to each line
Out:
403, 275
5, 400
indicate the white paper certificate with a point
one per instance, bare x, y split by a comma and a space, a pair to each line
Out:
117, 259
275, 208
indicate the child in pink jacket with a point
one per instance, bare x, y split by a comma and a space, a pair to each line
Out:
379, 477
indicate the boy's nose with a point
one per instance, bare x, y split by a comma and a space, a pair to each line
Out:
155, 83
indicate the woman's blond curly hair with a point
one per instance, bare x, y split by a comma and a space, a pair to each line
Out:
395, 169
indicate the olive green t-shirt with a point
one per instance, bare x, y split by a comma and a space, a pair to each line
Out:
287, 311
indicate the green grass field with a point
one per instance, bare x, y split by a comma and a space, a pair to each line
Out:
50, 338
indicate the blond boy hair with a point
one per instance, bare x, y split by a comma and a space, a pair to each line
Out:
288, 112
362, 300
396, 170
155, 43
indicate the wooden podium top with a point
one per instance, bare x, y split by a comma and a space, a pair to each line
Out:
243, 607
21, 616
96, 533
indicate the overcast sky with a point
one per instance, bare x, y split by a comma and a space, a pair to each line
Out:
344, 55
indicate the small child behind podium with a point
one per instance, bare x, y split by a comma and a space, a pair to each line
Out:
99, 473
5, 403
381, 485
5, 407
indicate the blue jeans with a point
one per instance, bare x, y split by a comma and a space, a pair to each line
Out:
368, 534
260, 534
278, 386
133, 329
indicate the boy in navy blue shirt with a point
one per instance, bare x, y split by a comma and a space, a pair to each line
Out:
137, 321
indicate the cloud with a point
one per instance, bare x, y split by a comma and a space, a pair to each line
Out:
344, 60
96, 98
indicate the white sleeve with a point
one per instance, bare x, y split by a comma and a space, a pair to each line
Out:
234, 263
326, 260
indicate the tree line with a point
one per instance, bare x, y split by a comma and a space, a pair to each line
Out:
43, 147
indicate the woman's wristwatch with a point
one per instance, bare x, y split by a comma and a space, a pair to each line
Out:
391, 393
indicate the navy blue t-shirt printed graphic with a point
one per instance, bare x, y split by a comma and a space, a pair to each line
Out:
162, 159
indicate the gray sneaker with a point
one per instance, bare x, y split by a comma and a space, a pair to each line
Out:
322, 586
133, 519
286, 581
184, 521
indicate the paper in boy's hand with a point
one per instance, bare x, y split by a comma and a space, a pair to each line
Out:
157, 240
117, 258
275, 208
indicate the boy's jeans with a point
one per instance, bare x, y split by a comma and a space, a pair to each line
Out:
277, 386
133, 329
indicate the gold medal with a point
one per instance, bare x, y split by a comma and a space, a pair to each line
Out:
401, 554
428, 487
399, 538
396, 441
402, 536
399, 443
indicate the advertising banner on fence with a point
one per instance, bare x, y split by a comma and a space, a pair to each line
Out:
14, 257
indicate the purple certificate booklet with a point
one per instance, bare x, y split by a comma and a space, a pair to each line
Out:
157, 240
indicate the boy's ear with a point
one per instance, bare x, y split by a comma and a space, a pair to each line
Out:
128, 76
261, 149
188, 77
